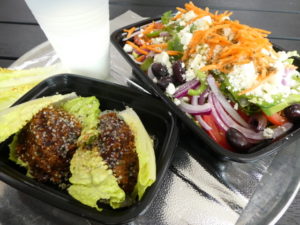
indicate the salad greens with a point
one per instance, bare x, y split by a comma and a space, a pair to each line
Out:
247, 76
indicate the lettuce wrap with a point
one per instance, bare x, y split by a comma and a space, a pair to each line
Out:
91, 180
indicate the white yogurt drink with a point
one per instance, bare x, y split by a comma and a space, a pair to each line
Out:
78, 30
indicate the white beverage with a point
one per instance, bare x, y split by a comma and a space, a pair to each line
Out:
78, 30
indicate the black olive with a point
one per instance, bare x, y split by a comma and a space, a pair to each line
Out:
164, 82
292, 113
159, 70
178, 72
237, 140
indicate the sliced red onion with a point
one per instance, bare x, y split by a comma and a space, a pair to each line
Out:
194, 109
202, 123
131, 36
203, 97
195, 100
280, 130
184, 88
231, 123
219, 121
229, 109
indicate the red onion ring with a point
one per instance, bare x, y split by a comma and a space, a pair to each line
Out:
184, 88
219, 121
231, 123
229, 109
202, 122
195, 109
203, 97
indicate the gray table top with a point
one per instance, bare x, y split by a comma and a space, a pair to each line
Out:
20, 33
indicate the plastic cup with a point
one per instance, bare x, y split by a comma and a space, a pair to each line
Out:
78, 30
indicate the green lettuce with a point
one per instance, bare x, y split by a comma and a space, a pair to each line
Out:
86, 110
15, 118
145, 151
15, 83
92, 180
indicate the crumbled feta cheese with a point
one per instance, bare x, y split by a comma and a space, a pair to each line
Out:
189, 74
268, 133
182, 23
127, 48
228, 33
176, 101
185, 39
189, 15
236, 106
242, 76
203, 23
164, 59
170, 89
158, 40
185, 99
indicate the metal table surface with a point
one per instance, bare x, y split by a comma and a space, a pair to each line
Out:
19, 32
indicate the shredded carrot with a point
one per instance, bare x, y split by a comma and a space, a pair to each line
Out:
130, 31
209, 67
179, 15
152, 49
170, 52
164, 45
140, 58
137, 48
181, 10
226, 42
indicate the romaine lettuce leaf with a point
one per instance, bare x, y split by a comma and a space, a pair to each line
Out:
15, 83
15, 118
92, 180
145, 151
86, 110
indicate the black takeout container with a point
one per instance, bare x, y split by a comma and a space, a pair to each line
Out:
257, 152
158, 121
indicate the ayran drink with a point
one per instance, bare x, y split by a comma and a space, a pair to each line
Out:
78, 30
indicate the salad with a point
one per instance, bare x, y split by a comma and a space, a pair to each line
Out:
99, 158
223, 74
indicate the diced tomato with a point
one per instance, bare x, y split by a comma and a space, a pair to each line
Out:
276, 119
216, 133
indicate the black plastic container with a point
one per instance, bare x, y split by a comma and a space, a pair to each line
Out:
158, 121
255, 153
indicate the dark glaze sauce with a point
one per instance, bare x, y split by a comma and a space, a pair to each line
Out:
117, 148
47, 143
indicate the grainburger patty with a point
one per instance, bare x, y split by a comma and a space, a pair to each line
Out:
47, 143
117, 148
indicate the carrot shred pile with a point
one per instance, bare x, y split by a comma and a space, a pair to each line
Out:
247, 44
243, 45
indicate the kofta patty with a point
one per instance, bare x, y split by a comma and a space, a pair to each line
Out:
47, 143
117, 147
